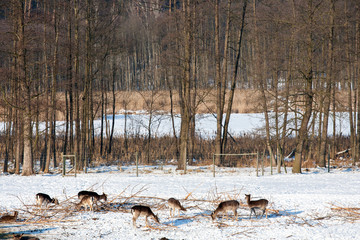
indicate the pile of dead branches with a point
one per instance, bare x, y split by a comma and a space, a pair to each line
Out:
350, 214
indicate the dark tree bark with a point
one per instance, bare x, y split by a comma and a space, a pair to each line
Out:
184, 92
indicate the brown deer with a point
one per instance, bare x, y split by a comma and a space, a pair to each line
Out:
86, 202
9, 218
21, 237
224, 207
97, 197
139, 210
258, 204
44, 199
175, 204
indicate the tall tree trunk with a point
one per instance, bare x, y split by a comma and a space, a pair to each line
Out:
46, 157
185, 88
350, 86
26, 91
234, 77
223, 78
67, 119
172, 115
329, 83
102, 109
16, 87
357, 66
113, 107
54, 85
7, 131
193, 87
76, 79
28, 168
262, 84
70, 77
308, 94
219, 112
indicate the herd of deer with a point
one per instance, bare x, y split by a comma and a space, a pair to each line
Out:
89, 198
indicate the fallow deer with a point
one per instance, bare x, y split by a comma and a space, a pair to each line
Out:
21, 237
86, 202
224, 207
174, 204
44, 199
139, 210
9, 218
97, 197
258, 204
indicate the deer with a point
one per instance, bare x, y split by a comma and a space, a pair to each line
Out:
230, 205
44, 199
86, 201
139, 210
258, 204
21, 237
175, 204
97, 197
9, 218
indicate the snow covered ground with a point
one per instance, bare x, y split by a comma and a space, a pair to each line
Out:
301, 206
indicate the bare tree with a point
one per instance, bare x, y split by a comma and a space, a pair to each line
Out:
184, 92
307, 74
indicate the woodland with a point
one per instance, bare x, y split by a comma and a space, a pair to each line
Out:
80, 60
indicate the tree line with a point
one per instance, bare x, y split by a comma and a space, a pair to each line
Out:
69, 59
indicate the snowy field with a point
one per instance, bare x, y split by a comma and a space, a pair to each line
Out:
313, 205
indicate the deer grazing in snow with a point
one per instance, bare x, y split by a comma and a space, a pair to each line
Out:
139, 210
21, 237
175, 204
86, 201
224, 207
9, 218
97, 197
258, 204
44, 199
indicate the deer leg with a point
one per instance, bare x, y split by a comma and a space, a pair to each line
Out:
135, 217
146, 221
264, 210
134, 221
254, 212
